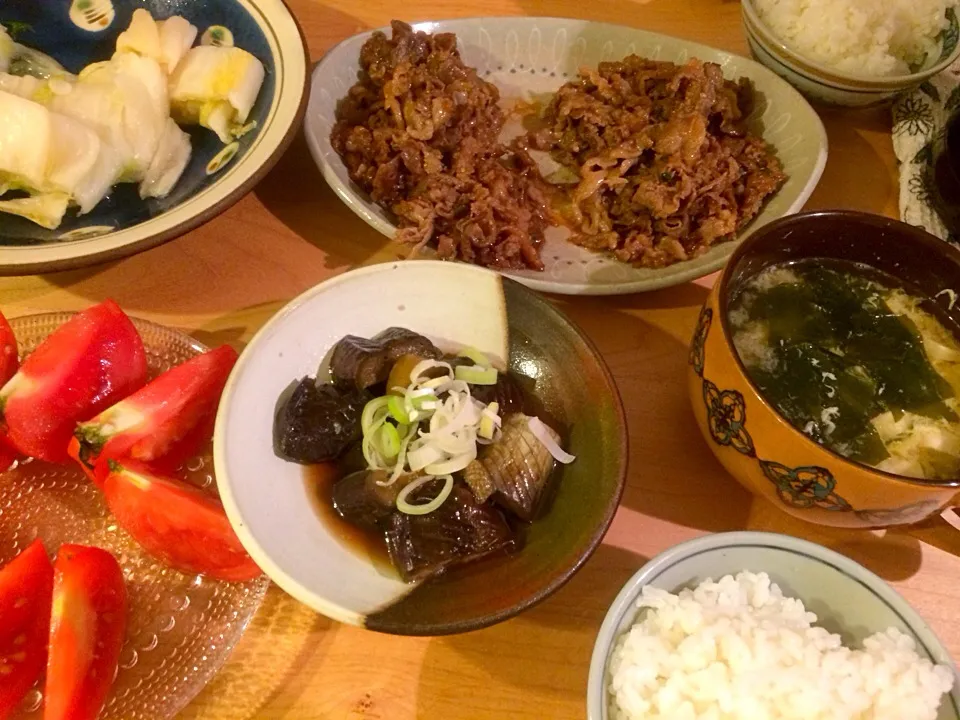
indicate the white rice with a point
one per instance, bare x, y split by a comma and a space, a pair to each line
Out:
738, 649
864, 37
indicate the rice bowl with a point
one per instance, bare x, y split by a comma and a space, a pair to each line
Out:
849, 602
835, 34
868, 37
738, 648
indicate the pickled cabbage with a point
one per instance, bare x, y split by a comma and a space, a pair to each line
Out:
216, 87
67, 139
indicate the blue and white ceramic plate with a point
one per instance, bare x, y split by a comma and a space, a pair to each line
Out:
79, 32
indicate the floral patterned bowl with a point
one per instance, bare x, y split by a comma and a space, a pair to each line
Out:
763, 450
78, 32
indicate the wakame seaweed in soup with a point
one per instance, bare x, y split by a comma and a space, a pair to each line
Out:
855, 362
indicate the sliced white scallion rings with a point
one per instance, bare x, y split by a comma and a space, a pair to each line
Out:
404, 506
476, 356
476, 375
489, 421
543, 434
433, 425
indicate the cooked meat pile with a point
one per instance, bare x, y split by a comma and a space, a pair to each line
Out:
666, 165
419, 132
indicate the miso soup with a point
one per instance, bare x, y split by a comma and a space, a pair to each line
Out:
856, 362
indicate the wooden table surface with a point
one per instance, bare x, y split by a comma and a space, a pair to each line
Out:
224, 280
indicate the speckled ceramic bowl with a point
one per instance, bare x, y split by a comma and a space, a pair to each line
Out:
760, 448
847, 598
826, 84
273, 509
78, 32
528, 59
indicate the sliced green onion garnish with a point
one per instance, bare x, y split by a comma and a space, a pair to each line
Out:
488, 423
411, 509
454, 464
471, 353
397, 407
424, 402
476, 375
388, 441
371, 411
421, 457
401, 457
371, 452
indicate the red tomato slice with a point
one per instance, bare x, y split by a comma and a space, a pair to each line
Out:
86, 632
87, 364
26, 588
9, 360
181, 525
9, 363
171, 418
8, 453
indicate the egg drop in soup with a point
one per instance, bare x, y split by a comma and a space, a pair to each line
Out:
855, 361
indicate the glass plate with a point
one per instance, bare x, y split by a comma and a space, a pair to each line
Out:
181, 628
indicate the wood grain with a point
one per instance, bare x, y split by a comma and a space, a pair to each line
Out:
224, 280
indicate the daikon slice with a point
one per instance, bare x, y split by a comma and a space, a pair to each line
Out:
176, 37
6, 49
98, 183
25, 86
168, 163
216, 87
124, 102
142, 36
24, 142
44, 209
74, 150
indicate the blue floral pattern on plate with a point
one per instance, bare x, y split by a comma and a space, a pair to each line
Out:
47, 26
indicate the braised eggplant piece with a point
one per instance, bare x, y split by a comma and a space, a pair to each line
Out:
514, 470
360, 499
364, 362
461, 530
317, 424
507, 393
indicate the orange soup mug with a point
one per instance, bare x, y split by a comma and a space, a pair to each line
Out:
760, 448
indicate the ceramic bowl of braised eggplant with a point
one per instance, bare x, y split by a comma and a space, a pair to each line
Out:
277, 506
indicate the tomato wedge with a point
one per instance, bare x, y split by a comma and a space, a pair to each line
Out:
26, 588
87, 364
8, 453
9, 360
181, 525
9, 363
170, 418
87, 626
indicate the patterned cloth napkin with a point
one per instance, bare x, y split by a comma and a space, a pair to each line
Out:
918, 117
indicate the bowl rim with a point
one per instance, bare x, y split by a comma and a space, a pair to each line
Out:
316, 602
871, 221
685, 551
14, 267
819, 72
